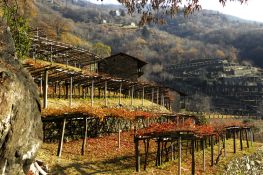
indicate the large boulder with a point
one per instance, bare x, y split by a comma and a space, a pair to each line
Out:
20, 120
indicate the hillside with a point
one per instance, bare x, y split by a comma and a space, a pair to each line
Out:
108, 29
204, 34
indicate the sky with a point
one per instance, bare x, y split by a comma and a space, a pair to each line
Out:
252, 10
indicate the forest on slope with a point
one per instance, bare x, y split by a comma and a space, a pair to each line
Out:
205, 34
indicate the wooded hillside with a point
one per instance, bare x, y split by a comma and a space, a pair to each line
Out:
108, 29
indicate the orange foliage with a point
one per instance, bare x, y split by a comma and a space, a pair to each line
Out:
189, 126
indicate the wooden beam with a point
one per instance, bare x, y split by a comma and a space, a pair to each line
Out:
45, 89
60, 146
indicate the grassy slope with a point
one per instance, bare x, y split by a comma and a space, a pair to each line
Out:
112, 102
103, 157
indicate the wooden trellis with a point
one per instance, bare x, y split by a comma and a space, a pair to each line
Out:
170, 143
59, 52
65, 78
62, 123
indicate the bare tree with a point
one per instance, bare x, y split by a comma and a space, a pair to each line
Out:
59, 25
155, 10
199, 103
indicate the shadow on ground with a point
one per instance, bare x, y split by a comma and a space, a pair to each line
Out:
112, 166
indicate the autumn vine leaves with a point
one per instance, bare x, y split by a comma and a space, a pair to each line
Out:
188, 125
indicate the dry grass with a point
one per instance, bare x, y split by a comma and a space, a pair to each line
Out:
112, 103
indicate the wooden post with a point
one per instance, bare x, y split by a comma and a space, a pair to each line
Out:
162, 99
247, 138
224, 145
92, 93
85, 136
70, 97
120, 94
41, 86
83, 92
119, 134
218, 150
143, 96
234, 140
137, 154
152, 95
79, 90
59, 90
60, 146
51, 57
212, 151
66, 86
146, 148
203, 148
56, 85
251, 135
240, 137
157, 96
105, 94
179, 155
172, 150
158, 156
132, 94
45, 89
193, 156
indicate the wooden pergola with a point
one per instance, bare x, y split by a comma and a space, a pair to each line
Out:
63, 123
69, 80
55, 51
170, 144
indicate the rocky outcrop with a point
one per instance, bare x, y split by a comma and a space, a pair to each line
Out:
20, 120
249, 165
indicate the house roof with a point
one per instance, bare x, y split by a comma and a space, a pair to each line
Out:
141, 62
